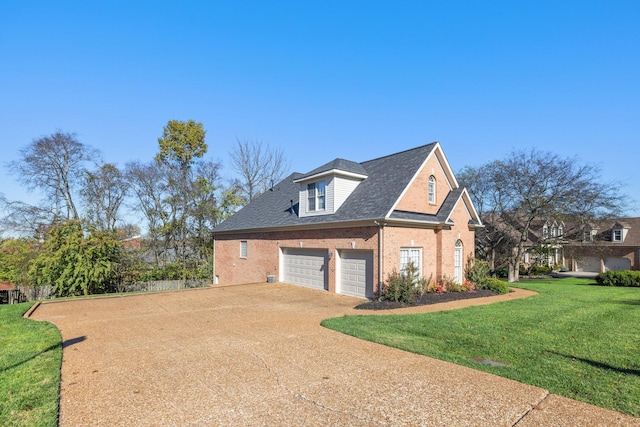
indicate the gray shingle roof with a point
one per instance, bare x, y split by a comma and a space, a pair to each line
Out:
339, 164
373, 199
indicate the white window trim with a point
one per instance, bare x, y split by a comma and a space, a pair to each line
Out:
432, 186
317, 197
613, 235
458, 263
244, 249
413, 254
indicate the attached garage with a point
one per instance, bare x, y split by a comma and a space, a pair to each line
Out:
305, 267
617, 263
356, 273
590, 264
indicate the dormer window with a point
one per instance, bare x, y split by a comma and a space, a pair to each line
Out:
325, 189
432, 189
588, 235
554, 232
560, 231
617, 235
316, 192
545, 232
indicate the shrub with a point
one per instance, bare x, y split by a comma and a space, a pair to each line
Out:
501, 273
496, 285
539, 270
402, 287
522, 270
625, 278
476, 271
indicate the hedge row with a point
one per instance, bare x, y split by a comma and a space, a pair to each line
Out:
627, 278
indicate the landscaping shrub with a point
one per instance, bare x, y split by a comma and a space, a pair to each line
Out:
501, 273
476, 271
402, 287
496, 285
539, 270
626, 278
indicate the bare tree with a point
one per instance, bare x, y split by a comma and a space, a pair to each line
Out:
148, 182
103, 192
258, 165
532, 185
25, 220
54, 164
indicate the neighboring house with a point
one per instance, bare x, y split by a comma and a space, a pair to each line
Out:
605, 245
345, 226
595, 247
544, 244
134, 242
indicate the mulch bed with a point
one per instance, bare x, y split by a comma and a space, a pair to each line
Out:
429, 298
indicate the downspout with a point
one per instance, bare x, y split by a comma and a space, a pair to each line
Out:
213, 259
380, 257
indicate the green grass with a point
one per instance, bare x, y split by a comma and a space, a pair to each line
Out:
573, 339
30, 359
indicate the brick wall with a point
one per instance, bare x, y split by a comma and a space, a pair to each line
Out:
263, 251
416, 199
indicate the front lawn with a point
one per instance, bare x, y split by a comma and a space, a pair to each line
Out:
573, 339
30, 358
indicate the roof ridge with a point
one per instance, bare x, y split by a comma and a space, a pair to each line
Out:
400, 152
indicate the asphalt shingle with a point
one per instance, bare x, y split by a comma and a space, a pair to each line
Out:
373, 199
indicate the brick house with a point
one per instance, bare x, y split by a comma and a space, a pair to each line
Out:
597, 246
605, 245
345, 226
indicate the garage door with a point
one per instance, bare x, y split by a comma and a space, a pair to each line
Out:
589, 264
305, 267
615, 264
356, 273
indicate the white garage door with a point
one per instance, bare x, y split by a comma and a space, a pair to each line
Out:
615, 264
306, 267
356, 273
589, 264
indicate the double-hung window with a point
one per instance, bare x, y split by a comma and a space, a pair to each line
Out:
411, 255
316, 196
617, 235
243, 249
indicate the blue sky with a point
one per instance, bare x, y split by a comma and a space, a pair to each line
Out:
327, 79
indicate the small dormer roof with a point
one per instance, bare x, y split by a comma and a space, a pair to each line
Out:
336, 167
620, 224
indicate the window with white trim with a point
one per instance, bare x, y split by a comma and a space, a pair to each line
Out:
432, 189
457, 262
617, 236
316, 196
243, 249
411, 255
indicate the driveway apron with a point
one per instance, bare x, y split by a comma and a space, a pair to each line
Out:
257, 355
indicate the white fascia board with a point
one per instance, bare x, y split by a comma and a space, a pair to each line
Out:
332, 172
468, 204
444, 163
446, 169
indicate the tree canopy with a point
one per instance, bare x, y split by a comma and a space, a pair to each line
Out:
532, 185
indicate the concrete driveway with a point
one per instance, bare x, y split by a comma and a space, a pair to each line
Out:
256, 355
